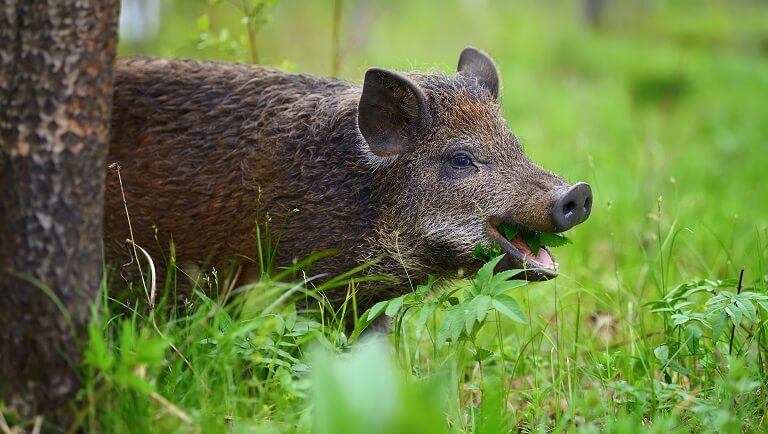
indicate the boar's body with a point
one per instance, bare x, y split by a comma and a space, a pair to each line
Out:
202, 147
414, 170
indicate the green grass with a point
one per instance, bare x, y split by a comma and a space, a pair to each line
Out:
662, 111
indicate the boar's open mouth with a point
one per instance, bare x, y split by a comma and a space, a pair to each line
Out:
537, 266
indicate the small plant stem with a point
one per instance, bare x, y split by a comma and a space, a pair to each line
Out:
335, 38
260, 252
130, 240
211, 22
4, 425
574, 357
661, 249
252, 44
170, 408
557, 380
571, 406
557, 321
251, 29
761, 335
501, 352
400, 258
733, 327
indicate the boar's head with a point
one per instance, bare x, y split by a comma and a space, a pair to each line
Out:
448, 170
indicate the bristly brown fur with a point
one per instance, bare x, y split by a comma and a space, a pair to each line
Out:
199, 142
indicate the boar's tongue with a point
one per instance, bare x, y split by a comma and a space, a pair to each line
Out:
543, 257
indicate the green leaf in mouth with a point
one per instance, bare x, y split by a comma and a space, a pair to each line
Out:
485, 254
534, 239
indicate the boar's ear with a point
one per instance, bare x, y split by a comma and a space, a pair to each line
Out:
392, 113
475, 63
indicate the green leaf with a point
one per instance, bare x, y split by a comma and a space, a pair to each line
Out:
425, 311
502, 279
508, 231
481, 354
716, 299
97, 354
751, 295
680, 368
764, 305
734, 312
485, 273
507, 286
126, 339
394, 306
365, 320
377, 309
680, 318
662, 353
453, 301
128, 379
692, 335
445, 328
505, 275
485, 254
452, 326
480, 253
682, 304
533, 240
470, 315
747, 308
718, 323
508, 307
425, 288
553, 240
482, 304
151, 351
495, 250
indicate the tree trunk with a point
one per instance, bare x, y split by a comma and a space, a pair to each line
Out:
593, 11
56, 60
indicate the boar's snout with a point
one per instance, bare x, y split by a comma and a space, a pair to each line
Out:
572, 205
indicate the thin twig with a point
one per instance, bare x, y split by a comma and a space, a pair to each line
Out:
172, 409
733, 327
152, 274
400, 258
116, 168
4, 425
231, 287
38, 425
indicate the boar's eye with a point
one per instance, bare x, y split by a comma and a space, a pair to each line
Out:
461, 161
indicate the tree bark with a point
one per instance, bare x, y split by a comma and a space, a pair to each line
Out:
593, 11
56, 60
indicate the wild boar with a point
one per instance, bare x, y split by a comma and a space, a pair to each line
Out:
411, 169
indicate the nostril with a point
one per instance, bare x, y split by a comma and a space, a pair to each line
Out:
588, 204
568, 208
